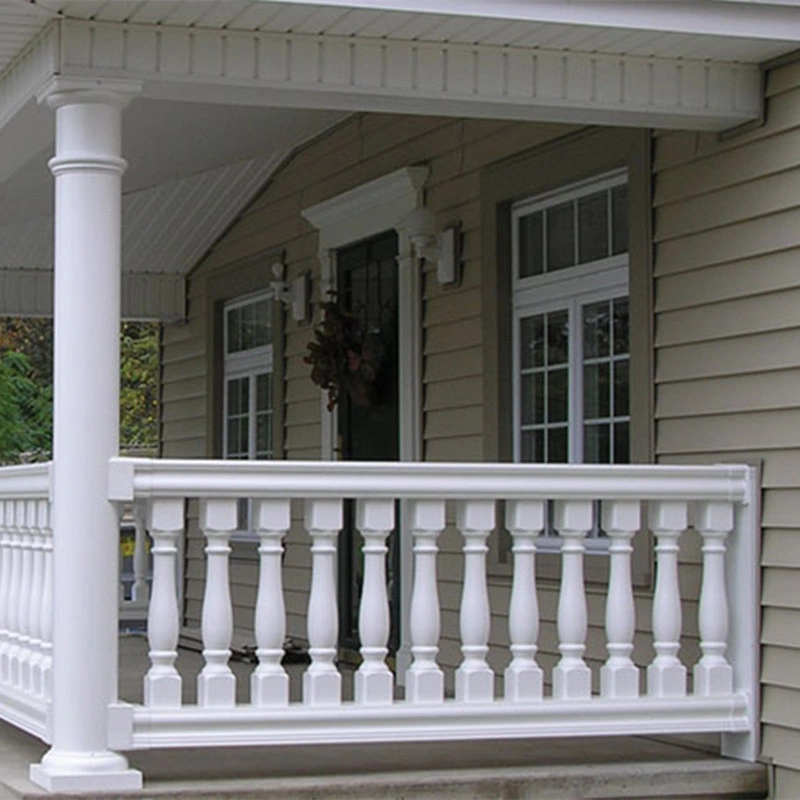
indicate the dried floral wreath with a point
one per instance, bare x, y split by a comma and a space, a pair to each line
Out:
344, 356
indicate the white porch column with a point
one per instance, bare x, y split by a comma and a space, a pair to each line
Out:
88, 169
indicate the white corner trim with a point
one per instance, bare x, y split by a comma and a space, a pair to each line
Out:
368, 209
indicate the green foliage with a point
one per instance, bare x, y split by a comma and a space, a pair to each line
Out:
26, 388
139, 386
25, 410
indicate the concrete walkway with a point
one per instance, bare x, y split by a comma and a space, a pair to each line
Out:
627, 767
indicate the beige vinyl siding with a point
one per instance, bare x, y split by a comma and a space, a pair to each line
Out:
359, 150
727, 349
183, 389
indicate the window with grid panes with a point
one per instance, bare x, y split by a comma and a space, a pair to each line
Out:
571, 324
248, 403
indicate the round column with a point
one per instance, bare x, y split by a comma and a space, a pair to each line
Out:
88, 168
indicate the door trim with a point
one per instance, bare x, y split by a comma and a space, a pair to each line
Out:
366, 210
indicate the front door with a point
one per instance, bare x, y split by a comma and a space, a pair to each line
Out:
368, 417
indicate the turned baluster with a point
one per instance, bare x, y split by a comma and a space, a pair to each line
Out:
31, 672
140, 591
425, 679
46, 618
162, 683
216, 683
269, 683
713, 674
666, 676
374, 684
572, 678
523, 676
619, 677
34, 679
9, 669
6, 554
322, 683
22, 673
474, 677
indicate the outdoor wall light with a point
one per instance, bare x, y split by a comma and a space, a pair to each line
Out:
442, 249
295, 295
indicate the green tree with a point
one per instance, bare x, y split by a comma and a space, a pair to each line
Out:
139, 386
25, 411
26, 387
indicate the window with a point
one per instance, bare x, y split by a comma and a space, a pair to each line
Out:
566, 245
571, 324
247, 385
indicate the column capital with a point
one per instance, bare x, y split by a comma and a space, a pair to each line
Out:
61, 91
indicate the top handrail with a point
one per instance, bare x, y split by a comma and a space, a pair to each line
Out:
26, 481
153, 478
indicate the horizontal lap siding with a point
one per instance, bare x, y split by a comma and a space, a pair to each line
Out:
727, 332
362, 149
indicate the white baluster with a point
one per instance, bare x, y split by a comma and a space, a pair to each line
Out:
619, 676
140, 591
33, 608
9, 669
572, 679
666, 676
269, 683
46, 619
425, 679
474, 677
162, 683
6, 523
34, 679
26, 592
322, 683
713, 675
216, 683
374, 684
523, 676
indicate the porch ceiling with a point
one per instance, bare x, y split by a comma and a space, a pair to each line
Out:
192, 168
247, 81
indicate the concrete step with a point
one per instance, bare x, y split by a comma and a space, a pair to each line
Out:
687, 780
632, 768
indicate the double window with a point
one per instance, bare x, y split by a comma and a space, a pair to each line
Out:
571, 324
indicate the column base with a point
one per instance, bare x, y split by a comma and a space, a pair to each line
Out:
523, 683
475, 684
373, 686
572, 682
103, 771
425, 685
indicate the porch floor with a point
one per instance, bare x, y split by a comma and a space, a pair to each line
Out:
629, 767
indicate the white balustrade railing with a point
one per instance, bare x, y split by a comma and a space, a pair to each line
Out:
719, 502
134, 587
26, 596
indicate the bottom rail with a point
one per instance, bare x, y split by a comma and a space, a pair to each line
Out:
26, 713
354, 724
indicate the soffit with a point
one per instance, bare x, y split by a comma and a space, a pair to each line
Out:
723, 30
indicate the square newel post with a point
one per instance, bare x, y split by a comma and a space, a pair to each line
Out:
88, 170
